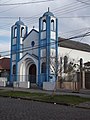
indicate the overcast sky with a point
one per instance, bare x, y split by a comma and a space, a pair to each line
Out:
73, 17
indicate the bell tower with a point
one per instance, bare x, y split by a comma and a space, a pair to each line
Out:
48, 47
18, 33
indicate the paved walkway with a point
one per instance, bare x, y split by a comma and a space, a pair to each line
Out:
81, 93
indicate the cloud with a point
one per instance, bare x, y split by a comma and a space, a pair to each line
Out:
37, 10
5, 33
3, 48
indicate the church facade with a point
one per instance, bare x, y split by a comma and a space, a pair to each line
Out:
32, 52
41, 57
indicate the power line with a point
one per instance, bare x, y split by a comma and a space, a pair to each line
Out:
75, 32
6, 1
35, 47
83, 2
80, 39
67, 6
32, 20
7, 17
25, 3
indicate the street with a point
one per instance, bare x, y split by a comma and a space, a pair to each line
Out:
17, 109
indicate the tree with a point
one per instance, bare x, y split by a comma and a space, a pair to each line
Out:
66, 70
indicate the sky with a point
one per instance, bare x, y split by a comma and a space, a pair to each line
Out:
73, 17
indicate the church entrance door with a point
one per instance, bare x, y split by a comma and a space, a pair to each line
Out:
32, 73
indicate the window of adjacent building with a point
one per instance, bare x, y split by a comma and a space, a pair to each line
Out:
43, 67
65, 63
14, 69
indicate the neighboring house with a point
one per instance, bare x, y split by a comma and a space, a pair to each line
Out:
4, 67
87, 74
74, 52
35, 54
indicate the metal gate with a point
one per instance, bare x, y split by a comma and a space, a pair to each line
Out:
87, 80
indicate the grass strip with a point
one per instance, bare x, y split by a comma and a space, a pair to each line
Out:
65, 99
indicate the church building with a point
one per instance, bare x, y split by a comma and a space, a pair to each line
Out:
31, 52
38, 56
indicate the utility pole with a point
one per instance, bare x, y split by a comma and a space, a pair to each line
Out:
81, 75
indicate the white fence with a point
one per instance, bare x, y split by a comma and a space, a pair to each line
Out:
3, 81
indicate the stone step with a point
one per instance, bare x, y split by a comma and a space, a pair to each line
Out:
34, 86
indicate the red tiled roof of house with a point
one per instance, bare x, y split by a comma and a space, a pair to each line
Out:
5, 63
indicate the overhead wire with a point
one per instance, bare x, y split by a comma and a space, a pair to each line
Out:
83, 2
37, 46
34, 19
37, 17
25, 3
79, 41
74, 32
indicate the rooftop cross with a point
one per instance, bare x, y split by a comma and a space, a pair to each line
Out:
48, 9
19, 18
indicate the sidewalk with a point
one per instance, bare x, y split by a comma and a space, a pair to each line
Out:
81, 93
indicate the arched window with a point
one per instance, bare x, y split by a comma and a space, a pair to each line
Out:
43, 67
32, 43
14, 69
22, 32
15, 32
52, 24
44, 24
81, 63
65, 63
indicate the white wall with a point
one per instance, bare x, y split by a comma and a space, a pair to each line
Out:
33, 36
74, 54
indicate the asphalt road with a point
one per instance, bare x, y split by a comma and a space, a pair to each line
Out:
16, 109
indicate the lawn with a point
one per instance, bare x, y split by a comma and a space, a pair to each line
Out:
60, 99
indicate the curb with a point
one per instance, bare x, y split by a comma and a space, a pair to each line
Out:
38, 100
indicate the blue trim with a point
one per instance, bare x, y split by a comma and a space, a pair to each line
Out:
16, 49
11, 56
48, 49
30, 33
39, 55
56, 46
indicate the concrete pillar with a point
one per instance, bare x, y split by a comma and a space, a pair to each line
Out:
83, 79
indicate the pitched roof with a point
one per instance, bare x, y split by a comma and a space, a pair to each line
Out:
5, 63
87, 64
73, 44
30, 33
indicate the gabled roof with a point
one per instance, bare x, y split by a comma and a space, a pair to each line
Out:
66, 43
5, 64
30, 33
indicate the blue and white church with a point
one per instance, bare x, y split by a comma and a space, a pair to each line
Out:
32, 52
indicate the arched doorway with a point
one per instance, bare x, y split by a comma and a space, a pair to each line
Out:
32, 73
